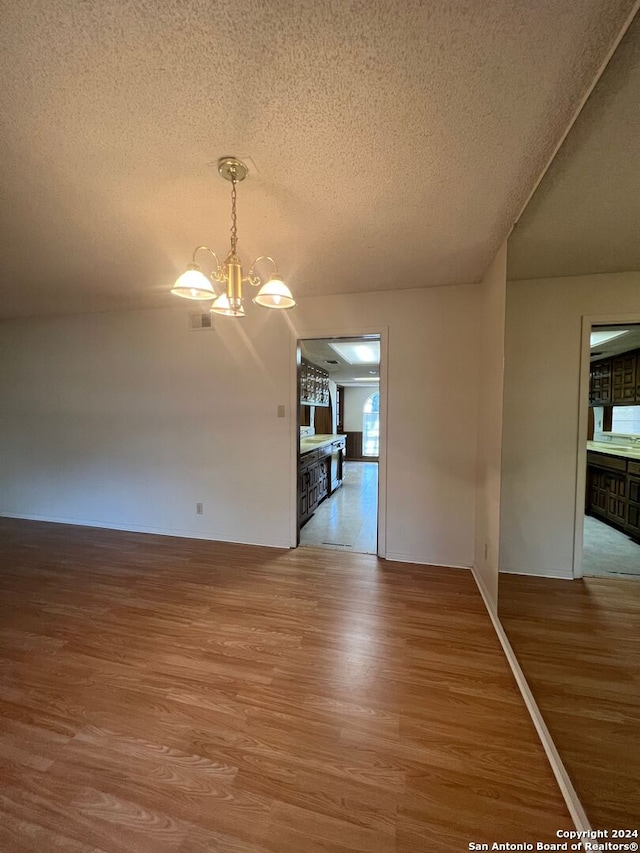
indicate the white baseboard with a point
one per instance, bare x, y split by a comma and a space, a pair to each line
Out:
566, 787
542, 573
396, 557
157, 531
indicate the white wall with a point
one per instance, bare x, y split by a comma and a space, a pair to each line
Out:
129, 419
354, 400
490, 398
541, 406
431, 410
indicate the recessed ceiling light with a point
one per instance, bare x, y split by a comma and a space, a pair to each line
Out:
365, 379
598, 338
358, 352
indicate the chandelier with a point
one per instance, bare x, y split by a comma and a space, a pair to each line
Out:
194, 284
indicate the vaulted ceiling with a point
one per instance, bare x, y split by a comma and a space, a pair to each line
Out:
395, 141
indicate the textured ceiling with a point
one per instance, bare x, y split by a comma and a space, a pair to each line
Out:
395, 141
585, 216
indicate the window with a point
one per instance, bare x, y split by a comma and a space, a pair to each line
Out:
626, 419
371, 426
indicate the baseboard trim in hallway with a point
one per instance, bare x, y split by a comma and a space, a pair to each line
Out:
577, 812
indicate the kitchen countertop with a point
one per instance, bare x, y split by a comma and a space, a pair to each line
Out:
626, 451
313, 442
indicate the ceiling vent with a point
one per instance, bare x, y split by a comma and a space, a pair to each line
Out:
201, 322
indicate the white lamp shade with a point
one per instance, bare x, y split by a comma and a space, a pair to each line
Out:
223, 306
193, 284
275, 294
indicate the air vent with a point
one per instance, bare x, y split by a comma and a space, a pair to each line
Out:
201, 322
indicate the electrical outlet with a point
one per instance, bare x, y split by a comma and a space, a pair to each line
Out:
280, 411
199, 509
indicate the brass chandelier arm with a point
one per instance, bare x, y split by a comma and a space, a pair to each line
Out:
205, 249
219, 274
254, 279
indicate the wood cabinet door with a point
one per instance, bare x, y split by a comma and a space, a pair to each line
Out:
600, 383
597, 492
633, 507
616, 498
623, 383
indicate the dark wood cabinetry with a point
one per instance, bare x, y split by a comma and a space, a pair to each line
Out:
633, 506
313, 481
314, 385
623, 382
600, 383
615, 381
613, 491
320, 473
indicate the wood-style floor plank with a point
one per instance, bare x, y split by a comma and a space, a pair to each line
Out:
578, 643
179, 696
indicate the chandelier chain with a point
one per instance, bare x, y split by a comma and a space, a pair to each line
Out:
234, 218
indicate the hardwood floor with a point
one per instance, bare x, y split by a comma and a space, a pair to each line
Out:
578, 643
181, 696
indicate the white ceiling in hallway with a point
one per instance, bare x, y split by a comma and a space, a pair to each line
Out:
395, 140
341, 370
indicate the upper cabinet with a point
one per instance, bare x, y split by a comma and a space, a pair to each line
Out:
623, 371
600, 383
314, 385
615, 381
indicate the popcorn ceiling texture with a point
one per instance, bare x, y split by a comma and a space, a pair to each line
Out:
585, 216
395, 141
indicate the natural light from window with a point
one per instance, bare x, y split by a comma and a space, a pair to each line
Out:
371, 425
626, 419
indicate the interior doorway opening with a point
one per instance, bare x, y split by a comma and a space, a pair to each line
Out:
611, 532
339, 418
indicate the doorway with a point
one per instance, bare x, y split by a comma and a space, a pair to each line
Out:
610, 539
339, 425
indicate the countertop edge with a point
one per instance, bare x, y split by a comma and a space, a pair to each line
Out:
596, 447
318, 445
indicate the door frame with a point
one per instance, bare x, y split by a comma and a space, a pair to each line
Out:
588, 320
350, 332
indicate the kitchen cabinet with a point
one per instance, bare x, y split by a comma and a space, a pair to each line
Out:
313, 481
607, 496
623, 378
633, 506
320, 473
615, 381
613, 491
314, 385
600, 383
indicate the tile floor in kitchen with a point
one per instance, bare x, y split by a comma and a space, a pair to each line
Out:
608, 552
347, 521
